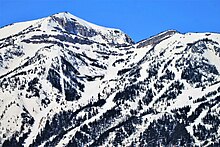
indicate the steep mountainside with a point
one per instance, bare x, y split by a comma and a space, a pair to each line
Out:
67, 82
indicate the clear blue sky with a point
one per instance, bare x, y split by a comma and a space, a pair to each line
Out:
140, 19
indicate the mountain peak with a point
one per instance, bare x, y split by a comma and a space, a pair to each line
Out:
68, 82
69, 23
72, 18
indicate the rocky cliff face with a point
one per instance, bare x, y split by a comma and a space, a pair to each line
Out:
67, 82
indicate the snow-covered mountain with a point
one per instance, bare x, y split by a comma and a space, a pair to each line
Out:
68, 82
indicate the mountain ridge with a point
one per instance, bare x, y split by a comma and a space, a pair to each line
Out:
66, 82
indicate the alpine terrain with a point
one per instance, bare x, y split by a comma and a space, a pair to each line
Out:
68, 82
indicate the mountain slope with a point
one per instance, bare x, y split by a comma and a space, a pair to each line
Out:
67, 82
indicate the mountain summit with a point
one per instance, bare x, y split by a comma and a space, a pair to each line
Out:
68, 82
